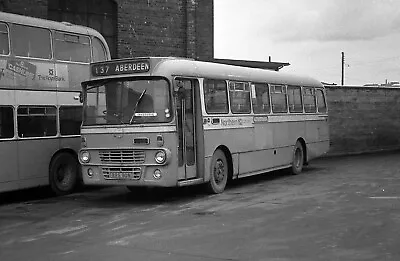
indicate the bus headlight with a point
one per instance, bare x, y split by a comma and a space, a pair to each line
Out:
160, 157
85, 156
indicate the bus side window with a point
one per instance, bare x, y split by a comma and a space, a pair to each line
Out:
33, 42
278, 97
4, 40
309, 100
71, 47
294, 98
36, 121
6, 122
70, 120
321, 103
260, 98
98, 49
239, 94
215, 96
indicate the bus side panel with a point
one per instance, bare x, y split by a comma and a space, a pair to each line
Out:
34, 154
70, 76
34, 157
317, 149
237, 140
317, 138
8, 148
8, 158
263, 160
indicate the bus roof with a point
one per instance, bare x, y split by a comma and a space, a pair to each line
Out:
38, 22
175, 66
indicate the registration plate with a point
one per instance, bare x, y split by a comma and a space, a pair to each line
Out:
121, 175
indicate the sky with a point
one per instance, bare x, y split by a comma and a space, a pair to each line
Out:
311, 35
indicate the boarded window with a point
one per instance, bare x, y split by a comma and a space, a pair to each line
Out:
4, 42
30, 41
260, 98
71, 47
321, 101
215, 96
70, 120
278, 97
36, 121
239, 94
294, 99
6, 122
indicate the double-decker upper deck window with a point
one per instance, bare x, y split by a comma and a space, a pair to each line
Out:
6, 122
215, 96
36, 121
72, 47
294, 99
321, 103
239, 94
278, 97
99, 51
309, 100
4, 42
260, 98
28, 41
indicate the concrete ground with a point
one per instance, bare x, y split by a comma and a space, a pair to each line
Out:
342, 208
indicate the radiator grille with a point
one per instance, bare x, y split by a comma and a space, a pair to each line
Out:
122, 156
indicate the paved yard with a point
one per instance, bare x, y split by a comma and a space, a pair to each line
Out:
342, 208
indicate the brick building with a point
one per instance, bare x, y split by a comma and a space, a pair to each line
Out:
134, 27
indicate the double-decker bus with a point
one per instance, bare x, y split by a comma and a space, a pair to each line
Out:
176, 122
42, 65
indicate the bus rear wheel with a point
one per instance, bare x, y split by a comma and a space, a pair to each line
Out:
63, 174
298, 158
218, 173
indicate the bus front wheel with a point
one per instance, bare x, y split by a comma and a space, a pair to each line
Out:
63, 174
298, 158
218, 173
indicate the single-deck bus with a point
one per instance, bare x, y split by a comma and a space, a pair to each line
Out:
175, 122
42, 65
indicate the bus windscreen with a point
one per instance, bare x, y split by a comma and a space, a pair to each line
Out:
122, 101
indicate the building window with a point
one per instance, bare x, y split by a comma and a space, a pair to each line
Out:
36, 121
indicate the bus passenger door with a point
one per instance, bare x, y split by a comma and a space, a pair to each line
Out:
188, 128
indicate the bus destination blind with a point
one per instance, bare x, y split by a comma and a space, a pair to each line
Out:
120, 67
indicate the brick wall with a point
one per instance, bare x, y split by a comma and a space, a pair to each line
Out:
149, 27
363, 119
165, 28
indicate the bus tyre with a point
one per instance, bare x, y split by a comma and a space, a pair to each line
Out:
63, 174
218, 173
298, 158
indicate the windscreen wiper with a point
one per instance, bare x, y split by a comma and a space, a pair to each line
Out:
136, 105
